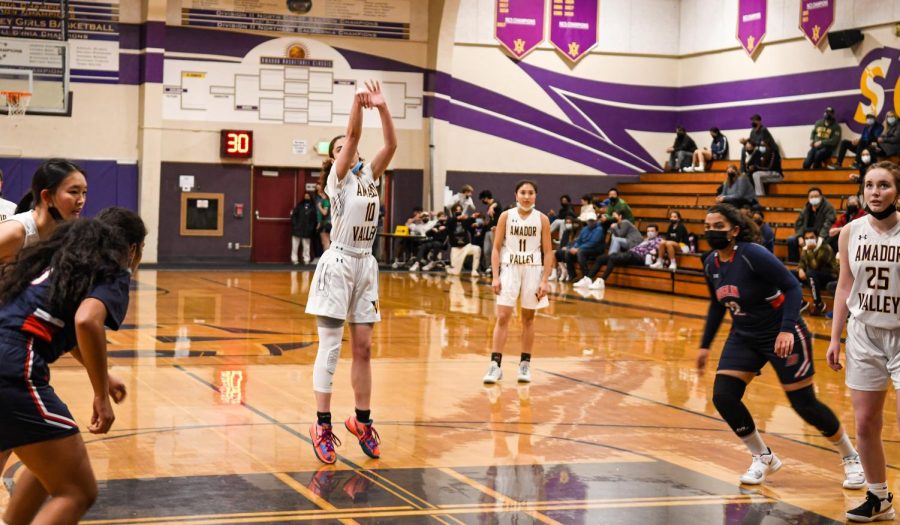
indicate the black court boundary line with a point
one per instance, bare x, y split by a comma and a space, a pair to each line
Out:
423, 504
689, 411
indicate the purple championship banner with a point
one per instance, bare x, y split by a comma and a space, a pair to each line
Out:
519, 25
573, 26
816, 18
751, 24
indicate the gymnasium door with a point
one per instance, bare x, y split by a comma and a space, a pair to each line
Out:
274, 196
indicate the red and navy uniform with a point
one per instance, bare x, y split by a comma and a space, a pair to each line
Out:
32, 337
764, 300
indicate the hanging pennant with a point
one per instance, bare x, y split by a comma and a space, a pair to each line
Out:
519, 25
816, 18
751, 24
573, 27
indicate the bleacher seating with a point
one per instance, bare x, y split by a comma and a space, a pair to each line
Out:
656, 194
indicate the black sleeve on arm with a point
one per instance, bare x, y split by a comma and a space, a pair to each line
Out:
714, 315
771, 269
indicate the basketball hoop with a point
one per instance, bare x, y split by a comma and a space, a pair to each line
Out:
16, 102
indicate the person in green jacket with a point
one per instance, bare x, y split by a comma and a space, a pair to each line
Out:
824, 138
818, 267
615, 203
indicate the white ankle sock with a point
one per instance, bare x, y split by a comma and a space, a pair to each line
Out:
845, 447
879, 489
755, 443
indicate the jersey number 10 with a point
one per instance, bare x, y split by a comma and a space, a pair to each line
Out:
879, 274
370, 212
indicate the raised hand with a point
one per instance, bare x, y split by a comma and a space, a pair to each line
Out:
376, 98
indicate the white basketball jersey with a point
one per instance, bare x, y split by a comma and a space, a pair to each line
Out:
7, 209
354, 208
522, 243
26, 219
875, 265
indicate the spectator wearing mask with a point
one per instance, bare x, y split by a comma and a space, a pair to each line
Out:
818, 215
428, 251
854, 211
758, 135
816, 269
888, 144
558, 219
637, 256
765, 167
464, 199
588, 245
491, 216
615, 203
737, 189
823, 139
869, 135
681, 151
675, 241
766, 233
864, 162
459, 226
303, 227
718, 150
623, 234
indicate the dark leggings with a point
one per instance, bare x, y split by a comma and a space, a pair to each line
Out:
614, 260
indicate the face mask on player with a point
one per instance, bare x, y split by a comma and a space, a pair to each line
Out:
883, 214
525, 209
718, 239
355, 169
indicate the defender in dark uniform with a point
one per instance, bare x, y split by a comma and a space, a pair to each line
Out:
764, 300
57, 299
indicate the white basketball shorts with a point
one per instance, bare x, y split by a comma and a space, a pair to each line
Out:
521, 282
345, 287
873, 357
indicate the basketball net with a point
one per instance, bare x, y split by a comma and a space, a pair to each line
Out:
16, 102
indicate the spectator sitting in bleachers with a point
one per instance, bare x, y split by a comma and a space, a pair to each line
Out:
766, 233
854, 211
864, 162
818, 215
416, 224
758, 135
560, 271
718, 150
737, 189
888, 144
681, 151
823, 139
675, 241
558, 218
459, 226
615, 203
429, 251
817, 268
623, 234
749, 152
765, 167
868, 136
637, 256
588, 245
464, 199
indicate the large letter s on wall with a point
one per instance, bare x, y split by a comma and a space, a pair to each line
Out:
873, 91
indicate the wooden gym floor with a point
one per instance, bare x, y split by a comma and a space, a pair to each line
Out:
617, 427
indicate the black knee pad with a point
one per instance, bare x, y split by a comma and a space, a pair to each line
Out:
813, 411
727, 394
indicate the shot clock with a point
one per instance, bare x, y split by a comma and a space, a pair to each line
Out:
236, 144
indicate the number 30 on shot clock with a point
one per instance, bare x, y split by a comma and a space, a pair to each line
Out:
236, 144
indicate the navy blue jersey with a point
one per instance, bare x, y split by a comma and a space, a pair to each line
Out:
29, 316
763, 296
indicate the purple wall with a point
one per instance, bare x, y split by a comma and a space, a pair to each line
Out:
550, 187
231, 179
406, 189
109, 183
